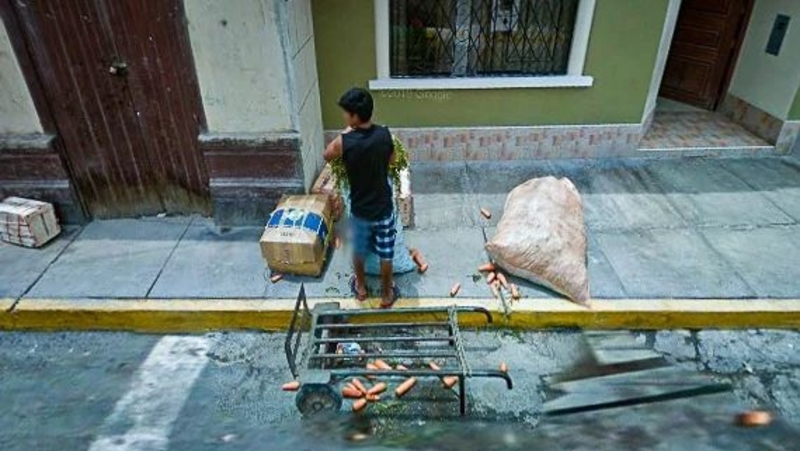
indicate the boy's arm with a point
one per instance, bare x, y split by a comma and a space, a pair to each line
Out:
334, 150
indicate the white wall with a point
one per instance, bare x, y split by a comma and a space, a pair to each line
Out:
671, 19
17, 112
240, 63
305, 84
766, 81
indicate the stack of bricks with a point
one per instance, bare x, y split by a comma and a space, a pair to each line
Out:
27, 222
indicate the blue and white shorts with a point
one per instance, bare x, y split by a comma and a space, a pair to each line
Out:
374, 236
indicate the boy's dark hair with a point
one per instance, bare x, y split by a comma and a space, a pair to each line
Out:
357, 101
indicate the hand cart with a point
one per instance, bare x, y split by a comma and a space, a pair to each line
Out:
330, 326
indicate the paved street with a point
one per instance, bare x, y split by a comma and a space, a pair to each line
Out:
108, 391
689, 228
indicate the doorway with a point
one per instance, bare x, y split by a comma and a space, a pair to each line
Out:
120, 81
703, 53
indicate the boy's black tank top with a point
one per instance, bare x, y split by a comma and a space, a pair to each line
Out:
366, 153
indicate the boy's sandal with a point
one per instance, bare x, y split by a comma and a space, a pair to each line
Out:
354, 290
395, 297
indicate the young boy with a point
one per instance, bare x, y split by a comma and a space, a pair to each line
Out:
366, 150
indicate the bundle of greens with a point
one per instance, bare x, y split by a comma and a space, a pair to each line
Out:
399, 163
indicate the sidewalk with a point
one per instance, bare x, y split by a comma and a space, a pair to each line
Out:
659, 229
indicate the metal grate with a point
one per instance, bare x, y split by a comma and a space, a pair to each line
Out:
473, 38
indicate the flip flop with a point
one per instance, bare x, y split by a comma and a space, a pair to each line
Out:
354, 291
395, 297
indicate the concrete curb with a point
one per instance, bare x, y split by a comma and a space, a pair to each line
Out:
201, 315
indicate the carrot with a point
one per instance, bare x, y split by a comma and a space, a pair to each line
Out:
371, 367
351, 393
754, 418
454, 290
449, 381
401, 368
434, 366
514, 292
490, 277
486, 213
382, 365
486, 267
503, 367
423, 268
377, 389
360, 386
495, 291
359, 405
291, 386
502, 279
373, 398
352, 387
403, 388
276, 278
337, 242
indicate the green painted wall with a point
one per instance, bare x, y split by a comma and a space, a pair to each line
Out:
621, 55
794, 112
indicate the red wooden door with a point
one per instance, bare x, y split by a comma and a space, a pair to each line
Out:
704, 46
120, 79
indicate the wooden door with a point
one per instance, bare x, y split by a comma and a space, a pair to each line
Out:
120, 80
703, 51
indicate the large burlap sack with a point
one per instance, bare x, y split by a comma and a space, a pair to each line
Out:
541, 237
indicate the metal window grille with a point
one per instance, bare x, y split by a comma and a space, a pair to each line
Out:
474, 38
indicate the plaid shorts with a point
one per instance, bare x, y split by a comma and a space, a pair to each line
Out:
373, 236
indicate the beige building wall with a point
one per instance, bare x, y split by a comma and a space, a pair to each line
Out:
17, 112
239, 56
305, 85
763, 80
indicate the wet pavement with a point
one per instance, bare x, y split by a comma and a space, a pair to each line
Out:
674, 390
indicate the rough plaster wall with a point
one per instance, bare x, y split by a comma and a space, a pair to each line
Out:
305, 85
766, 81
663, 51
17, 113
239, 55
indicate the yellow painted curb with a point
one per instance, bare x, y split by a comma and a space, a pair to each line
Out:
200, 315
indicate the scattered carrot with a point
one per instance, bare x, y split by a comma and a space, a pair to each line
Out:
486, 267
373, 398
502, 279
337, 242
495, 291
490, 277
276, 278
514, 292
382, 365
403, 388
351, 393
503, 367
454, 291
449, 381
434, 366
360, 386
352, 387
401, 368
754, 418
291, 386
359, 405
377, 389
486, 213
419, 259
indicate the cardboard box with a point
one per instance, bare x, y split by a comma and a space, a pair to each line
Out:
27, 222
297, 235
326, 184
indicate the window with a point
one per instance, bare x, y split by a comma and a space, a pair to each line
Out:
481, 44
477, 38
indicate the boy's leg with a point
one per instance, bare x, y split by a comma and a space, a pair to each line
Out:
361, 237
384, 236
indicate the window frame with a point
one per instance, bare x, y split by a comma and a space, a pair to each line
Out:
573, 78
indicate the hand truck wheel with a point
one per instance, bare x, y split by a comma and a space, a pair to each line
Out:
317, 398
